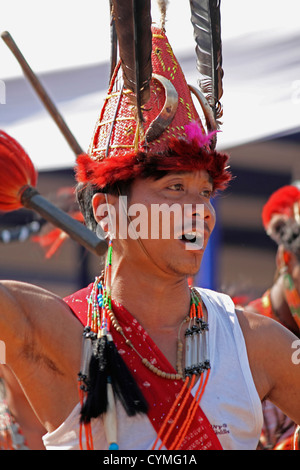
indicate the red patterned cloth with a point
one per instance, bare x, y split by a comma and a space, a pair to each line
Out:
159, 392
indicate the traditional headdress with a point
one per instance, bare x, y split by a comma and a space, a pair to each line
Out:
285, 201
149, 120
281, 217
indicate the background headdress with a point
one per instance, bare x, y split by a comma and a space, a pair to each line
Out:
281, 218
282, 207
285, 201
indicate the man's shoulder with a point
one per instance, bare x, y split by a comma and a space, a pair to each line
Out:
263, 332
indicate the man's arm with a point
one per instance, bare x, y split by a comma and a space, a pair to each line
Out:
275, 365
43, 346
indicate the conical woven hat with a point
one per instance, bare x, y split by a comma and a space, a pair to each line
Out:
122, 116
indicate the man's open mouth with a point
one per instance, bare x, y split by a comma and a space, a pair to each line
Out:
192, 238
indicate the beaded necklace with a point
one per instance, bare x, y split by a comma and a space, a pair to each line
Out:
101, 319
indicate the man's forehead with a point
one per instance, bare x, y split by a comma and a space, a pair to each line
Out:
201, 174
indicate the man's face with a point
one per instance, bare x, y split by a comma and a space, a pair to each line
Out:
168, 221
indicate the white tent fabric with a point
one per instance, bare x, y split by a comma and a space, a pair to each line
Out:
67, 45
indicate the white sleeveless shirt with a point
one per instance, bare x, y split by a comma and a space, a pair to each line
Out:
230, 401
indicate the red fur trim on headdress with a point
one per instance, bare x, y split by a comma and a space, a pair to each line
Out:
187, 156
181, 156
280, 202
108, 171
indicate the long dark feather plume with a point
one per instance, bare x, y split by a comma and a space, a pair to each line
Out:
133, 26
206, 20
113, 43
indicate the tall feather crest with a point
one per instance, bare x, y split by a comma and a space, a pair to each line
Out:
133, 27
206, 21
162, 5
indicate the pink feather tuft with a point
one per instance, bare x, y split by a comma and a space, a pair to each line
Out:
194, 133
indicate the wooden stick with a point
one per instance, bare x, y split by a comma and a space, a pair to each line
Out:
42, 93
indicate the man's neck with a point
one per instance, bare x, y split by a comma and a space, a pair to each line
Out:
156, 302
159, 305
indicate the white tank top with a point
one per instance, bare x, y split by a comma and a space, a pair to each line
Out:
230, 401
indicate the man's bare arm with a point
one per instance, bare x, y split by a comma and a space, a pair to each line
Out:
43, 347
271, 352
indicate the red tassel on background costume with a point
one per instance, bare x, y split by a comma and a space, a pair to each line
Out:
53, 240
17, 172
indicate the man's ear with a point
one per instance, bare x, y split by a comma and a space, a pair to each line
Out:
97, 201
104, 211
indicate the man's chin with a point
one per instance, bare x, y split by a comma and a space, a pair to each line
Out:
188, 269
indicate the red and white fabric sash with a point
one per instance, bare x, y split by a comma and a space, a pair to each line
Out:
159, 392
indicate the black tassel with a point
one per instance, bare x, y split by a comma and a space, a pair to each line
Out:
106, 365
96, 400
124, 385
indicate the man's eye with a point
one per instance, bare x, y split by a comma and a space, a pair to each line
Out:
206, 193
176, 187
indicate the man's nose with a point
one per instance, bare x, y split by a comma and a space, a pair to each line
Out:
202, 209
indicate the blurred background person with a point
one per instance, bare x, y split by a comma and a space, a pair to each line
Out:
281, 220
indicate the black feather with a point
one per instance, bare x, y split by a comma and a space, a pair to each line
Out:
95, 403
113, 43
133, 27
206, 20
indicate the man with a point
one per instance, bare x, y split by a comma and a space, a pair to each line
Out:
281, 221
281, 301
153, 374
